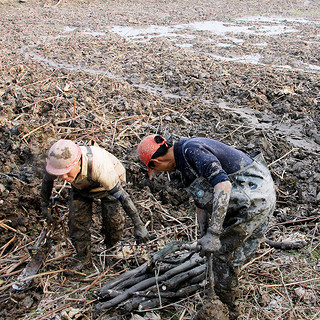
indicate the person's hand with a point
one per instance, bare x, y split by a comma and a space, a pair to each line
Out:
46, 214
141, 233
209, 243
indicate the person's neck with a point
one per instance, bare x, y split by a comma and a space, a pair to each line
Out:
170, 158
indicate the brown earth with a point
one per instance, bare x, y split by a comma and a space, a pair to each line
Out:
67, 72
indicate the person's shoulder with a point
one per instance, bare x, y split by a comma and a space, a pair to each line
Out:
99, 149
193, 142
105, 153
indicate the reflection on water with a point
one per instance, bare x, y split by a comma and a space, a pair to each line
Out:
212, 38
215, 27
219, 35
252, 58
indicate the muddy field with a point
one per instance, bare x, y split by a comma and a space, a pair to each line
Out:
243, 72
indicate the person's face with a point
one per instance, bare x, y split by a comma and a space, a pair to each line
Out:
159, 164
71, 175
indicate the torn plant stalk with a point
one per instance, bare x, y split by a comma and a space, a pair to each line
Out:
38, 252
38, 255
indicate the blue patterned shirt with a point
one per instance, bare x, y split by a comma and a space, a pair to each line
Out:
208, 158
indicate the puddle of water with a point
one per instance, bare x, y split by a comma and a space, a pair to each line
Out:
252, 58
312, 66
142, 31
284, 67
221, 28
224, 45
215, 27
94, 33
146, 33
62, 36
262, 44
69, 29
263, 26
275, 19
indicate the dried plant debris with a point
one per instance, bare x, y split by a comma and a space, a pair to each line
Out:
66, 71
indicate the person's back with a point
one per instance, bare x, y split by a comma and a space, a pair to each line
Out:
209, 158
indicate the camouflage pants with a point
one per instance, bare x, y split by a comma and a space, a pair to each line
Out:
250, 208
80, 219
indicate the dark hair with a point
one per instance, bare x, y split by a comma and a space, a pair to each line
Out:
163, 149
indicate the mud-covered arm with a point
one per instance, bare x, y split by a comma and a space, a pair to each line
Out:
45, 194
210, 242
140, 230
221, 199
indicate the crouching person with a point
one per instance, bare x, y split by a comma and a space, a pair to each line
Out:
234, 196
94, 173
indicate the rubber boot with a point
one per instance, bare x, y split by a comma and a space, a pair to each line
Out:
229, 299
213, 310
83, 259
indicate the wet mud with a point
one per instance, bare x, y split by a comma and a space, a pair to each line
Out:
242, 72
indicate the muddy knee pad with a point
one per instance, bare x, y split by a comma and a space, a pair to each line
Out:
113, 222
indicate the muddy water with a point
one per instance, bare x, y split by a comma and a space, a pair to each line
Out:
258, 31
222, 41
293, 133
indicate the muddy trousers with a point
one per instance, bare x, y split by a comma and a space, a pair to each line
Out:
236, 250
80, 219
250, 208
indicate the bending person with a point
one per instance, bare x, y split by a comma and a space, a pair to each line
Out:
94, 173
234, 196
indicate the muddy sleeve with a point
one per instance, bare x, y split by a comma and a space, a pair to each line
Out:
46, 189
119, 193
220, 206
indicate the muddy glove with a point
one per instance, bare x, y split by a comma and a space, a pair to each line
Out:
46, 189
140, 232
209, 243
46, 213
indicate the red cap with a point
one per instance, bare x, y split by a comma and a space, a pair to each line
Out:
147, 148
